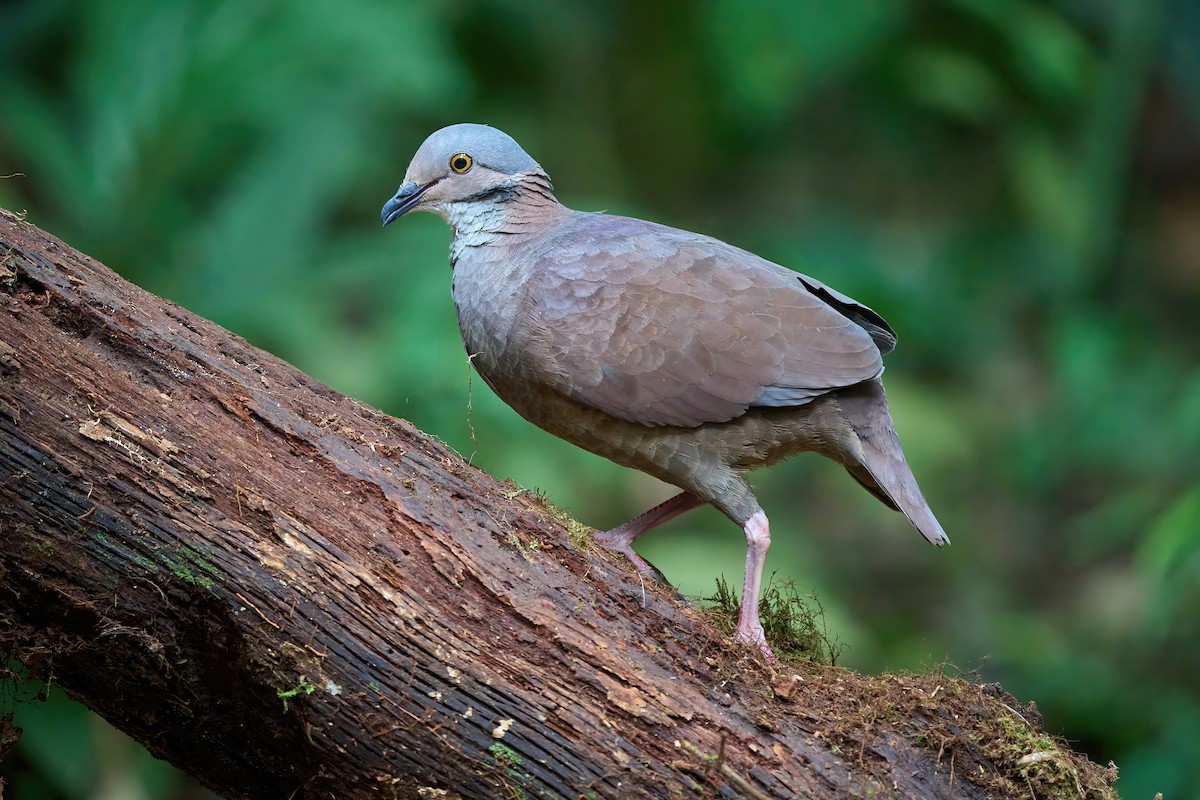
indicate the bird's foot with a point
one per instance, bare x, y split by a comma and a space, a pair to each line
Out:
622, 537
752, 634
616, 541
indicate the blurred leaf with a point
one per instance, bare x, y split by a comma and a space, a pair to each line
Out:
775, 55
1161, 762
1105, 529
57, 739
1047, 188
1172, 542
1050, 55
953, 83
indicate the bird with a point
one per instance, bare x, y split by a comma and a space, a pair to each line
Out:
665, 351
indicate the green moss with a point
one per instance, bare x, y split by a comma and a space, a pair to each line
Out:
304, 687
794, 625
41, 548
144, 562
106, 546
190, 565
509, 761
1036, 759
512, 490
504, 756
1024, 739
581, 535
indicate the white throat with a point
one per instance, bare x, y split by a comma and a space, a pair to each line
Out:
475, 222
472, 217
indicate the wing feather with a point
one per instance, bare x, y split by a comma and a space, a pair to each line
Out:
663, 327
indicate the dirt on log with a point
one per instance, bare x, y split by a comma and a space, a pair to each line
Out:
289, 594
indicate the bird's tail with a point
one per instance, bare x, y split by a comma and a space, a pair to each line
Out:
882, 469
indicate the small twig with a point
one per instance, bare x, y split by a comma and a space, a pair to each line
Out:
470, 407
265, 619
1018, 714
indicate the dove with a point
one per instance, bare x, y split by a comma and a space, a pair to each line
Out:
665, 351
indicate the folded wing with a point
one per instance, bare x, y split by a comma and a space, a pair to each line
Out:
663, 327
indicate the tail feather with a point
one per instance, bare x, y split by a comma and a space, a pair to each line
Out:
882, 469
867, 481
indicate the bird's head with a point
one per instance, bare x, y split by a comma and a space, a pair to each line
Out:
460, 164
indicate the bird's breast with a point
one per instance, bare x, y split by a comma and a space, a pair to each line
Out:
489, 295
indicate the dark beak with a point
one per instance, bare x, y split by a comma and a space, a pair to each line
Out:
408, 196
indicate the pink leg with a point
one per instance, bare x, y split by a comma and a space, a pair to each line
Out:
621, 539
758, 541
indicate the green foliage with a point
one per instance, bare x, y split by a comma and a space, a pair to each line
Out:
794, 625
65, 751
509, 763
1012, 184
303, 687
17, 688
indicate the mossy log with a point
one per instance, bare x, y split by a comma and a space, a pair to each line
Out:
289, 594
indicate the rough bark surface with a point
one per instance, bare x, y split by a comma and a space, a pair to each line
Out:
289, 594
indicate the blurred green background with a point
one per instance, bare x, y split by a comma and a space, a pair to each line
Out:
1014, 185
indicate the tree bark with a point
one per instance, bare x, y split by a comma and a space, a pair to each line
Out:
289, 594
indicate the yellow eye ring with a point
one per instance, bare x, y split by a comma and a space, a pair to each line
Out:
461, 162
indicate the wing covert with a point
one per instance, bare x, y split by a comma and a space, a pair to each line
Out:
663, 327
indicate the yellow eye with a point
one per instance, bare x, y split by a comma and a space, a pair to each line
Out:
460, 162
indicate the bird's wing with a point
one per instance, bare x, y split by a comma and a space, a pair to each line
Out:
663, 327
